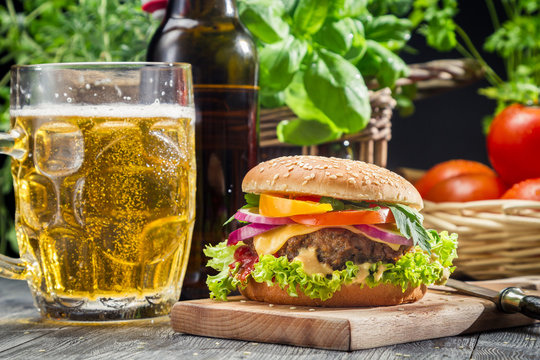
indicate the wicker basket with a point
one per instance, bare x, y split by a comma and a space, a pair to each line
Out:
497, 238
371, 144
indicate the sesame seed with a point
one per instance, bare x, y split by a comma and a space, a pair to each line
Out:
261, 169
333, 177
311, 309
327, 173
304, 182
292, 307
351, 181
339, 174
242, 301
271, 305
286, 175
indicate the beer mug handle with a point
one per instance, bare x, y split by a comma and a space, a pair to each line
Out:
12, 268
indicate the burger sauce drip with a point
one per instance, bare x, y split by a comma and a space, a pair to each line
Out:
247, 259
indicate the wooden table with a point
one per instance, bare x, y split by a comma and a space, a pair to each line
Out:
23, 335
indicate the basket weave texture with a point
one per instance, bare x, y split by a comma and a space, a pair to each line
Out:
371, 144
497, 238
372, 141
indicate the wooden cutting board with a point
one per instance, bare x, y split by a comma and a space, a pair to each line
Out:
442, 312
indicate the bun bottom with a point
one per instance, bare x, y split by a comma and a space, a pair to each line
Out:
349, 295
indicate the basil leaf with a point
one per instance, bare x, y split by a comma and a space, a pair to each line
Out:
398, 7
306, 132
337, 88
264, 19
289, 5
383, 63
336, 36
358, 47
229, 220
309, 15
252, 200
340, 205
389, 30
347, 8
270, 99
409, 222
280, 61
298, 100
337, 205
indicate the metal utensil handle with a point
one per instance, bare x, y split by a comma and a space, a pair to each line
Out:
530, 306
513, 299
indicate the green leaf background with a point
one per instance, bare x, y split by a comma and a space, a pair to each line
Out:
36, 31
316, 55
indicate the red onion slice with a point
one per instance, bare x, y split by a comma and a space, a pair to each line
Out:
383, 235
248, 231
252, 215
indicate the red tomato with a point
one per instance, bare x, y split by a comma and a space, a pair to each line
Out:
513, 143
448, 169
526, 190
346, 217
468, 187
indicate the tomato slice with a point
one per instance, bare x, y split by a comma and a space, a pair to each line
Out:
347, 217
274, 206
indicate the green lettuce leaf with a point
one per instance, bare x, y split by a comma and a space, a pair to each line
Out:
221, 256
414, 268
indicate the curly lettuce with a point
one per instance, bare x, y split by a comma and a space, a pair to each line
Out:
412, 269
221, 257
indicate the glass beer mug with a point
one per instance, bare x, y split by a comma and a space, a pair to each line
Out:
104, 174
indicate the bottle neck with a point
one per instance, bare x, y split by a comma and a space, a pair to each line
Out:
202, 9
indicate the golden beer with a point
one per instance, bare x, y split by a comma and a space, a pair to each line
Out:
105, 203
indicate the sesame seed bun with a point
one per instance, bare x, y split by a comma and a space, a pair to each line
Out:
347, 296
338, 178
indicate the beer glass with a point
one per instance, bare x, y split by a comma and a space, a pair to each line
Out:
103, 168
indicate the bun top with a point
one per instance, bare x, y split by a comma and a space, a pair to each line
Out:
338, 178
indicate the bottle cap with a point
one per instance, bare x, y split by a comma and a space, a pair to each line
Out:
155, 7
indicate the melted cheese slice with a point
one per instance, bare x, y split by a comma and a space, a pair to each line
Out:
271, 241
310, 263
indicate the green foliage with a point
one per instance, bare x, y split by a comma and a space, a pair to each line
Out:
516, 41
317, 55
66, 31
221, 256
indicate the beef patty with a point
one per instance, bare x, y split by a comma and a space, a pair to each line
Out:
336, 246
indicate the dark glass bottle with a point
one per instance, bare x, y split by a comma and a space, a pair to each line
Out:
208, 34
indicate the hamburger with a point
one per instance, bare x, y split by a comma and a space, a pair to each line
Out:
320, 231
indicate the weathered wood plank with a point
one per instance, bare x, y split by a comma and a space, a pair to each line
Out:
23, 335
519, 343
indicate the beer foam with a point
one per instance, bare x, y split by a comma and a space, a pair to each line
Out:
109, 110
